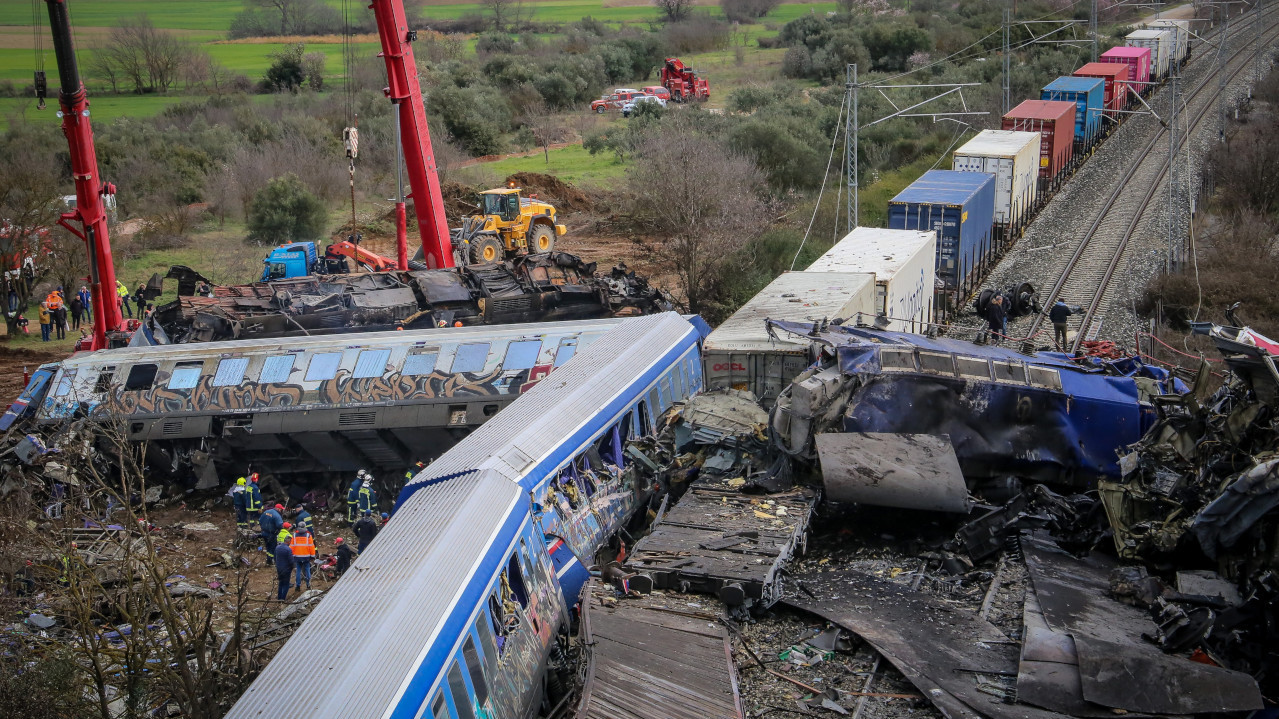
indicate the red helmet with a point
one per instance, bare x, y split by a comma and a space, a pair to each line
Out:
338, 540
288, 525
253, 477
279, 507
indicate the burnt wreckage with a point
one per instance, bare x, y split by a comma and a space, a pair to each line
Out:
542, 287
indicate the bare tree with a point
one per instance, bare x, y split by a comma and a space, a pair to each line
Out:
502, 11
284, 8
704, 199
674, 10
137, 53
545, 126
29, 205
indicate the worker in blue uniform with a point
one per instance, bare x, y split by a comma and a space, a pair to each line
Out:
252, 500
367, 498
271, 522
353, 495
302, 519
283, 556
240, 500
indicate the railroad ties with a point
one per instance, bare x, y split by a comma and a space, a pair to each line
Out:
656, 655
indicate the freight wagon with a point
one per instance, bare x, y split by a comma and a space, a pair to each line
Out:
1089, 97
1138, 61
1114, 90
1013, 158
1181, 39
742, 354
960, 208
1162, 45
1054, 120
903, 263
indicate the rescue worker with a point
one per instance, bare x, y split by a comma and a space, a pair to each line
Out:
345, 555
122, 296
997, 318
65, 578
417, 467
272, 523
252, 499
1059, 313
353, 495
385, 518
367, 497
46, 321
303, 546
240, 500
302, 518
365, 530
283, 556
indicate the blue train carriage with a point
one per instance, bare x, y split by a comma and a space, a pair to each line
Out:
282, 403
29, 400
454, 610
1039, 416
1088, 94
960, 207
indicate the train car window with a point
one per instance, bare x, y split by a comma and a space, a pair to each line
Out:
645, 426
485, 631
105, 377
678, 382
276, 369
476, 669
64, 383
1043, 377
470, 357
664, 391
522, 355
1010, 372
695, 370
185, 375
420, 363
937, 363
655, 403
141, 376
323, 366
515, 578
566, 350
371, 363
897, 359
439, 707
973, 367
230, 372
461, 697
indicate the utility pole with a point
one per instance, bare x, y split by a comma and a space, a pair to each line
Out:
1256, 41
851, 133
1174, 211
1221, 77
1008, 60
1092, 28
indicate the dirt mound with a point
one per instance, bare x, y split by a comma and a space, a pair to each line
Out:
555, 191
12, 361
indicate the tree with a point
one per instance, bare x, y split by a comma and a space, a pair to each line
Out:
30, 203
137, 53
747, 10
286, 73
703, 198
285, 211
674, 10
502, 10
544, 126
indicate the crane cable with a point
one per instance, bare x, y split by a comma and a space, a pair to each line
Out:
351, 134
37, 32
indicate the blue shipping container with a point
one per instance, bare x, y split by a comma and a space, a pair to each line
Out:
960, 207
1089, 96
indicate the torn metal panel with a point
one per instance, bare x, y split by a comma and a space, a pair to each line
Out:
1074, 597
1234, 512
910, 471
938, 648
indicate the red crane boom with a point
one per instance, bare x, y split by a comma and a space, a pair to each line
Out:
404, 90
90, 211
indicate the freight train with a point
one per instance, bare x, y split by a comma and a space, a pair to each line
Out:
1001, 178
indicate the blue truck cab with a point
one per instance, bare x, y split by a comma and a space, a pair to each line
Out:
296, 259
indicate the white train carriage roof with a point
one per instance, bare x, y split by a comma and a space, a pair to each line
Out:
553, 421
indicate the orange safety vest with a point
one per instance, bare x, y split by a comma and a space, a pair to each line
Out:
303, 545
54, 300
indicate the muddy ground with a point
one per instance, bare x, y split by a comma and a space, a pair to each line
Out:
13, 363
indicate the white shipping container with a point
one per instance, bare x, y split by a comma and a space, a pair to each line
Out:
1013, 158
740, 354
904, 265
1181, 37
1160, 43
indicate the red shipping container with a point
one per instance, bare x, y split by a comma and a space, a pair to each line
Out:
1046, 117
1138, 61
1116, 78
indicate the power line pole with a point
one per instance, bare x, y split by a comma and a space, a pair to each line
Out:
1174, 211
1092, 28
1008, 60
1221, 77
851, 133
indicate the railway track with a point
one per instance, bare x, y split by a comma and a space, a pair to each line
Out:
1098, 255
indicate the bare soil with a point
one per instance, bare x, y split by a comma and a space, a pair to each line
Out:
13, 361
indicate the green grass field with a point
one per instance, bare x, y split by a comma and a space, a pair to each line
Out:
571, 164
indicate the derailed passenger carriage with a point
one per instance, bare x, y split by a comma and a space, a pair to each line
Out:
1039, 416
306, 406
455, 609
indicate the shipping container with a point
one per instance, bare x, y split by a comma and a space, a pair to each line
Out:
1138, 61
1013, 158
1056, 149
1180, 41
742, 354
1088, 94
903, 263
1114, 91
1161, 44
960, 208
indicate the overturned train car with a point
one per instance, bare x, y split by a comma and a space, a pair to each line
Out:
1037, 416
301, 408
543, 287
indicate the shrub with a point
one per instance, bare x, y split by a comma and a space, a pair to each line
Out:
286, 73
699, 33
476, 117
747, 10
492, 42
285, 211
797, 62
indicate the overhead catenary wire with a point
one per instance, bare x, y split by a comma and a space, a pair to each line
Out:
834, 141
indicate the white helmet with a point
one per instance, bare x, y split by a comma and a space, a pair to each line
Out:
361, 474
366, 482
